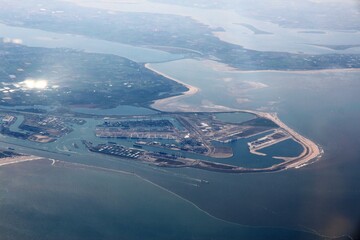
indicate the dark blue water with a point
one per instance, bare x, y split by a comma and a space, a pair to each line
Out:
242, 157
234, 117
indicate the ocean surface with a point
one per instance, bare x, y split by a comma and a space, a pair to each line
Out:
66, 201
323, 106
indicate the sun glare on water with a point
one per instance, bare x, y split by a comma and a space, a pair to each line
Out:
35, 84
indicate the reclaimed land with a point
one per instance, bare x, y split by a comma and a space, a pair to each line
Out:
311, 152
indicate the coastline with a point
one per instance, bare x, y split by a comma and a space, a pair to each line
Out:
159, 104
311, 150
311, 153
18, 159
171, 104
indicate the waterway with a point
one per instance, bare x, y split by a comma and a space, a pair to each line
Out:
287, 148
119, 110
39, 38
234, 117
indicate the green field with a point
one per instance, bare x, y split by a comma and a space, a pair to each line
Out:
40, 76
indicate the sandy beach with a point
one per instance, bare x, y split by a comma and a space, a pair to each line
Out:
162, 103
18, 159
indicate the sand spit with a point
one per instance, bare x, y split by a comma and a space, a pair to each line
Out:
191, 89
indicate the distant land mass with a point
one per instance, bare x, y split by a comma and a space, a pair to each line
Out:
299, 14
337, 47
161, 30
252, 28
312, 32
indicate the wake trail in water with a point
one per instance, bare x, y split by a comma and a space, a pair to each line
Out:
85, 166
